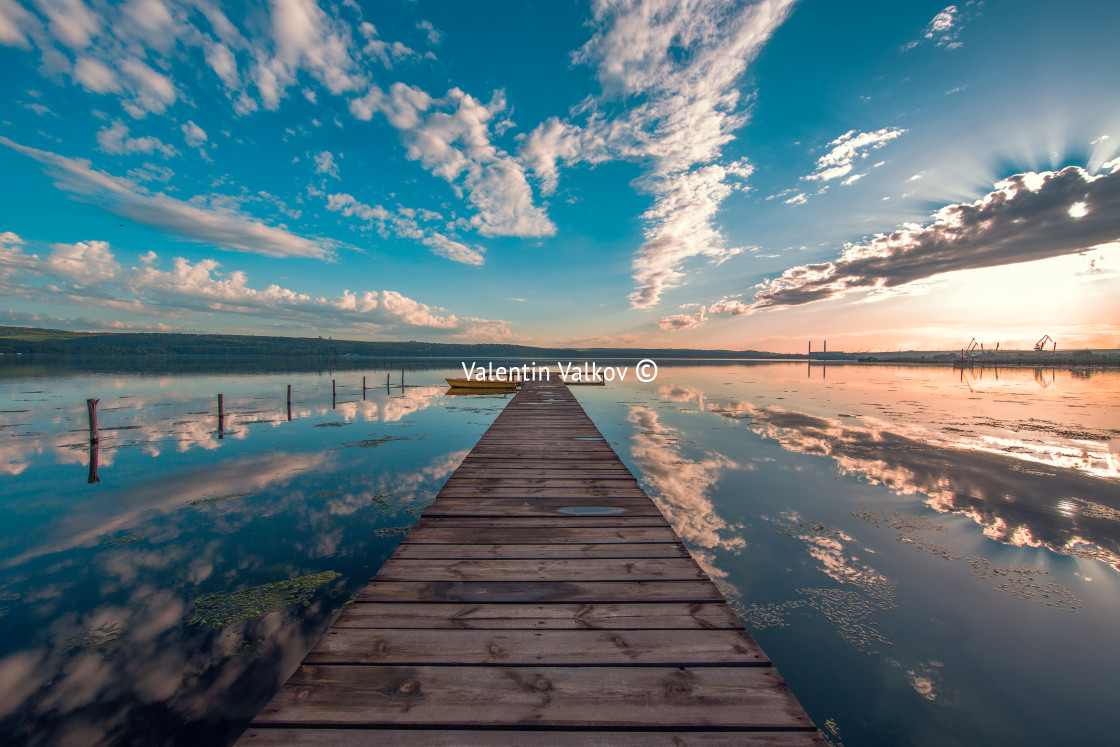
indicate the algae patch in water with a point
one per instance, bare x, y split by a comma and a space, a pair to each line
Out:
373, 443
220, 498
134, 537
98, 637
389, 531
222, 609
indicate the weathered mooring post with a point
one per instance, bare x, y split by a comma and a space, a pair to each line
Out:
91, 409
221, 417
332, 394
289, 403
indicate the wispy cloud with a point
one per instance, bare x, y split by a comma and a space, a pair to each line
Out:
115, 139
677, 67
847, 150
1027, 217
325, 164
404, 223
944, 29
450, 137
218, 226
87, 274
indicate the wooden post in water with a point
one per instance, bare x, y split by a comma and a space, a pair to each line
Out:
386, 382
93, 448
91, 408
402, 379
289, 403
332, 394
221, 417
363, 388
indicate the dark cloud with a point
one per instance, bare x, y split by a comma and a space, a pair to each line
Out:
1028, 217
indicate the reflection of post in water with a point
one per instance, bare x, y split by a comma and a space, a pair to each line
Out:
221, 417
289, 403
91, 408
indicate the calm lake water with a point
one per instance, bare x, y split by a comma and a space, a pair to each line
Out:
930, 557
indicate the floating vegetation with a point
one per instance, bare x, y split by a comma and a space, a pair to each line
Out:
222, 609
373, 443
134, 537
903, 527
390, 531
329, 425
816, 527
1023, 583
1019, 582
380, 499
325, 494
1096, 510
413, 510
847, 610
220, 498
760, 616
97, 637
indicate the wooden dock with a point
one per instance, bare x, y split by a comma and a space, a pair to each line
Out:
541, 599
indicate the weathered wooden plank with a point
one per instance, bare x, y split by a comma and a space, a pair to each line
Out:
513, 507
526, 472
575, 535
543, 522
634, 616
411, 647
622, 491
418, 551
564, 569
540, 591
310, 737
601, 697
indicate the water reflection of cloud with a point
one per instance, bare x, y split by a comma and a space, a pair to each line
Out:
166, 493
679, 485
157, 420
1009, 492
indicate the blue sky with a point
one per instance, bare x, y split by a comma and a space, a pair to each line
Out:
680, 174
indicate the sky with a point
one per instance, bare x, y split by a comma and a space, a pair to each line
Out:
654, 173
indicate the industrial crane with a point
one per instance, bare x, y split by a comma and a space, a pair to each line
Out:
1041, 344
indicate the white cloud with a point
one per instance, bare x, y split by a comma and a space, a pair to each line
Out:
403, 224
677, 67
722, 307
1029, 216
115, 139
450, 137
193, 134
849, 148
324, 164
14, 22
223, 227
944, 29
86, 273
435, 36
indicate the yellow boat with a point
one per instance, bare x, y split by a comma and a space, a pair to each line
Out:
476, 384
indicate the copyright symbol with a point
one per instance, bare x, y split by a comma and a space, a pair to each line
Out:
646, 370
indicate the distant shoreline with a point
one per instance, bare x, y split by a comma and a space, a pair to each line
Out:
41, 344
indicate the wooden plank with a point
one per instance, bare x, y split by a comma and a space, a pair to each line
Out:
532, 536
565, 569
309, 737
417, 551
515, 507
635, 616
543, 522
413, 647
602, 697
539, 591
529, 492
